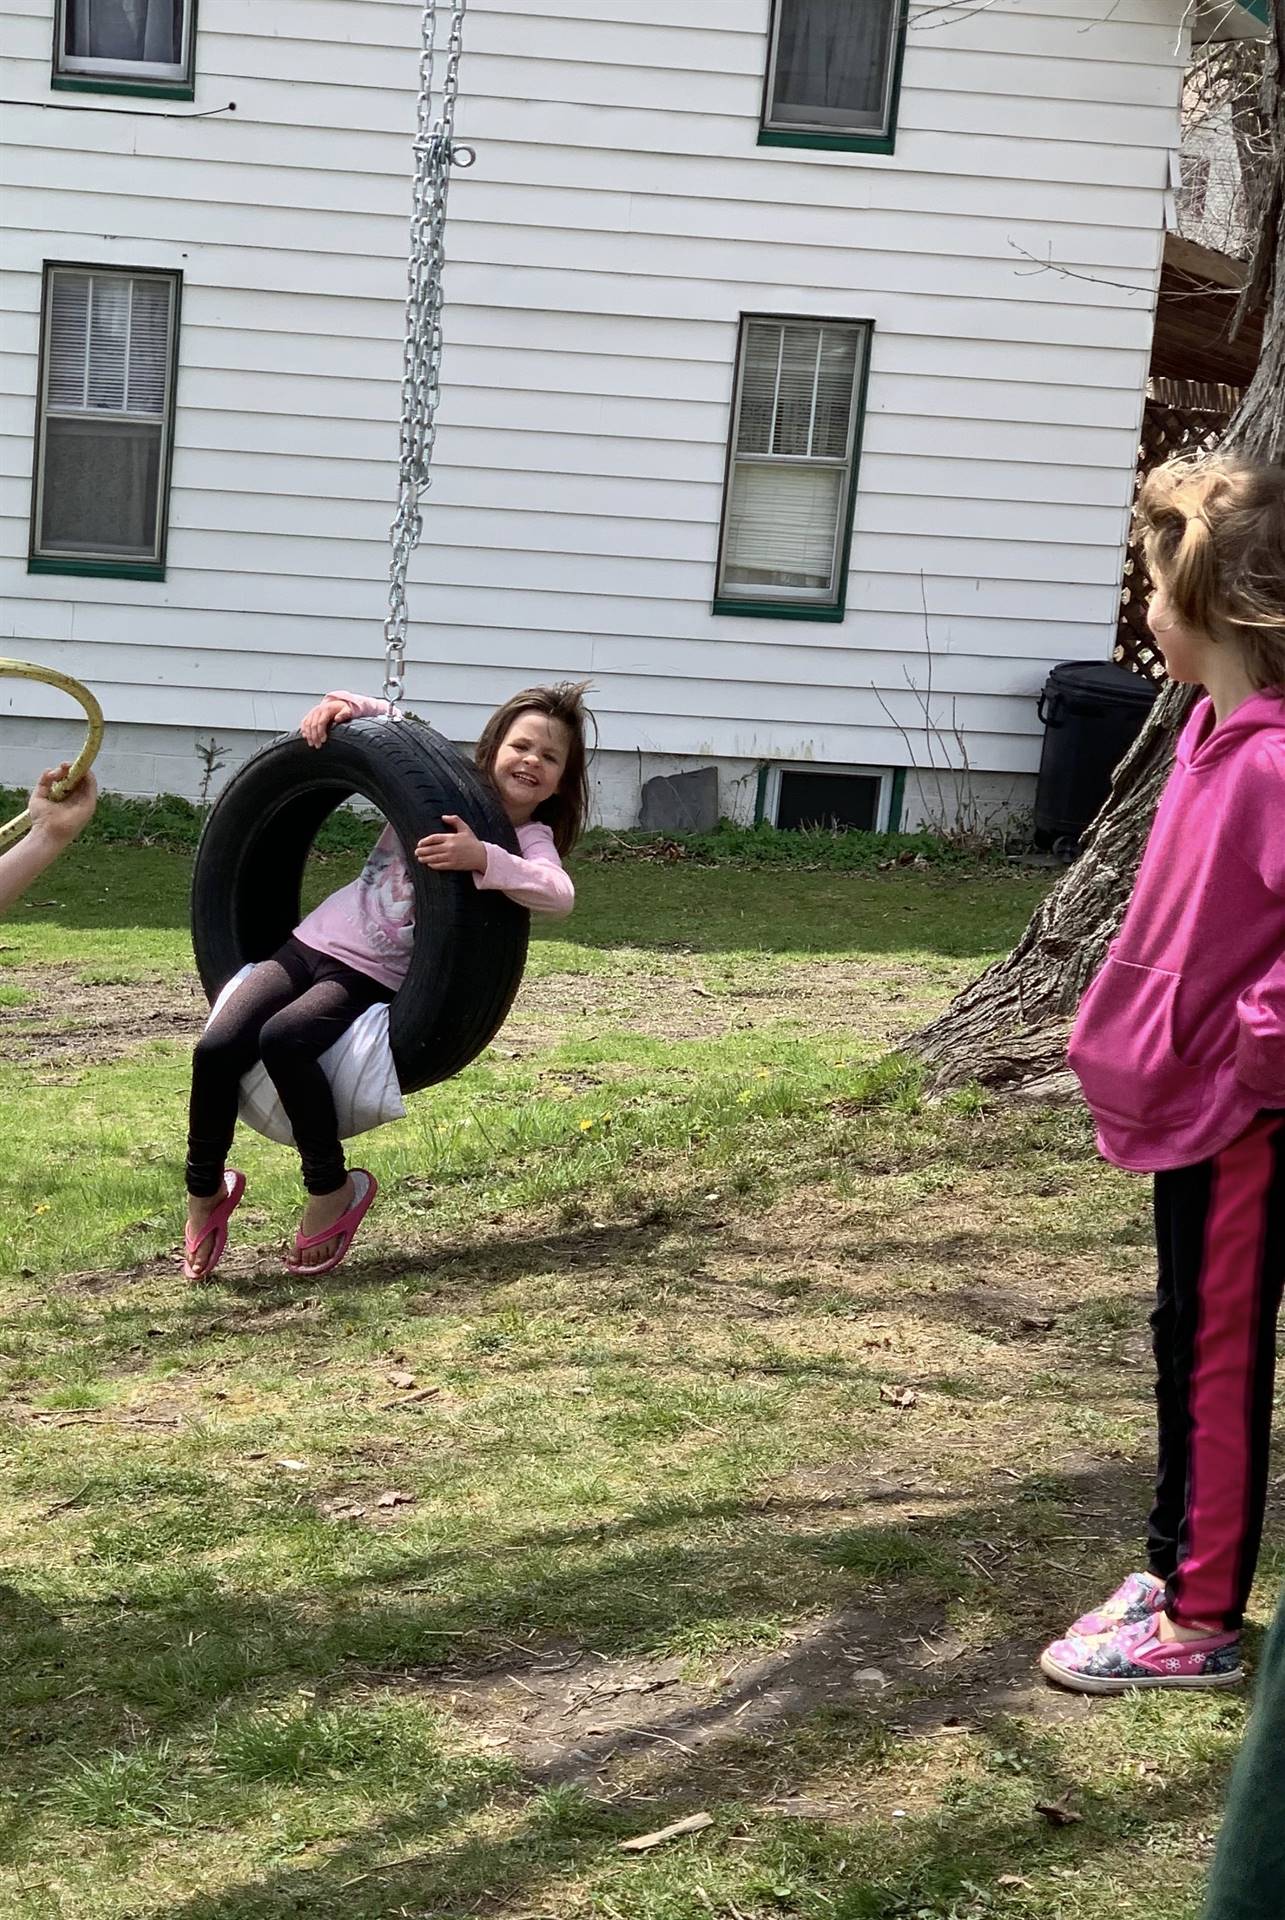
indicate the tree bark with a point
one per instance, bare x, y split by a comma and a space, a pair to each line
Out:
1008, 1029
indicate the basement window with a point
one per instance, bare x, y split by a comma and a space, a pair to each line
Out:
828, 799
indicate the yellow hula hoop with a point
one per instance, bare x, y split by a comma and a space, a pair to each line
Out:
25, 670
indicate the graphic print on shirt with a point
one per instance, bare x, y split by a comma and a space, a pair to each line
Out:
385, 897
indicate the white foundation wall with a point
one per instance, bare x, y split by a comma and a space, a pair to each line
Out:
620, 219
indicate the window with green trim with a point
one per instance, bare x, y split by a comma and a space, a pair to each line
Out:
791, 469
833, 71
105, 424
137, 42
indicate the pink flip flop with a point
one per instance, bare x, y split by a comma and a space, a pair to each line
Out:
216, 1225
344, 1229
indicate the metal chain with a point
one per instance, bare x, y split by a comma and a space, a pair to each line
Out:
435, 154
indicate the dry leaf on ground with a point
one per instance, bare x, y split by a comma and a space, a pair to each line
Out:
1058, 1814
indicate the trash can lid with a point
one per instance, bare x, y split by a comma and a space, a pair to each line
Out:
1103, 679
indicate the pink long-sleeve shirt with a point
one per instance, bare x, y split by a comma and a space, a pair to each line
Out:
370, 924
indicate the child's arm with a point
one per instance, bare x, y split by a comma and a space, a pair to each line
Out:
333, 709
1260, 1011
535, 878
55, 824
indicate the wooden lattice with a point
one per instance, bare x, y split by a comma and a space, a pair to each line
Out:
1181, 416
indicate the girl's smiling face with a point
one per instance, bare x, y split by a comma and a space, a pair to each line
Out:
529, 763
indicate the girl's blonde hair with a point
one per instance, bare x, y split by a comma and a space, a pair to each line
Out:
1213, 534
567, 810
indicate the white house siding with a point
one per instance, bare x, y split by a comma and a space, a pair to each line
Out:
619, 220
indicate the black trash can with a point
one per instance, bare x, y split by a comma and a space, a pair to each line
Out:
1092, 711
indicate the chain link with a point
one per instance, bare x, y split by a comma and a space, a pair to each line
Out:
435, 154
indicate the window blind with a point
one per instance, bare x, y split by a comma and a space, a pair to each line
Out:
108, 344
782, 523
796, 390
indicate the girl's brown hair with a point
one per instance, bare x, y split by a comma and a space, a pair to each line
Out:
1213, 534
567, 810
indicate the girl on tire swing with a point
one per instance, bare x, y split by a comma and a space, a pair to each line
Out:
353, 951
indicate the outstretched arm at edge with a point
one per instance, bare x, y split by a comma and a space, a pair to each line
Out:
55, 824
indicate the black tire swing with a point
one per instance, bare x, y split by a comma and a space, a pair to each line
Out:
470, 945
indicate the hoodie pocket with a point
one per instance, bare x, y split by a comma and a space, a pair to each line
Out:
1123, 1050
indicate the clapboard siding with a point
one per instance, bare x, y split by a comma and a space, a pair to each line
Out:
891, 601
779, 689
1092, 181
970, 651
383, 22
297, 224
627, 409
219, 335
611, 242
512, 93
322, 488
911, 331
364, 181
619, 220
487, 524
649, 66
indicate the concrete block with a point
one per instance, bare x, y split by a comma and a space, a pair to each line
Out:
681, 802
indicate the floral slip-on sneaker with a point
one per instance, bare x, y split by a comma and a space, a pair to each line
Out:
1133, 1655
1137, 1597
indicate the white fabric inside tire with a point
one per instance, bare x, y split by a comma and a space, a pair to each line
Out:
359, 1067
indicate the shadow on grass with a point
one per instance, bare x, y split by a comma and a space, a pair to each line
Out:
949, 1868
159, 1680
669, 1255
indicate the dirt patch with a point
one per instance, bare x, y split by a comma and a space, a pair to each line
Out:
567, 1714
881, 1003
64, 1020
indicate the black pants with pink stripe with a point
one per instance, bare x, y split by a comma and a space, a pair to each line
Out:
1220, 1235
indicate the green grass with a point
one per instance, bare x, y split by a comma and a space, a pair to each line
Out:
654, 1265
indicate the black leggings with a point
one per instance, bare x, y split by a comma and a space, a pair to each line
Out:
287, 1013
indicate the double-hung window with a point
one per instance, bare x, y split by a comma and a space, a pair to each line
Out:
125, 45
791, 468
105, 424
833, 73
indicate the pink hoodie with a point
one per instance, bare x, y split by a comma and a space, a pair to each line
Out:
370, 924
1180, 1040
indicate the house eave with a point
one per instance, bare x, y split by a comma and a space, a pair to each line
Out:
1230, 20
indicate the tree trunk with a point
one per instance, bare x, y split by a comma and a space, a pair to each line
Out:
1008, 1029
